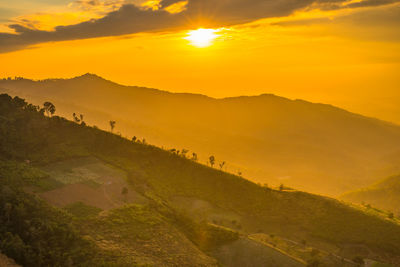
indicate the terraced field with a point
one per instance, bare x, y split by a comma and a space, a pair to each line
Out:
90, 181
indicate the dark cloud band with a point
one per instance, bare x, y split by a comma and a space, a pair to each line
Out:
131, 19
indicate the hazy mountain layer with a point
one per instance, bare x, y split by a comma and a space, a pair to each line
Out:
270, 139
384, 194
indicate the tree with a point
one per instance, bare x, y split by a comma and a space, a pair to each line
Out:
184, 152
240, 173
222, 164
49, 108
194, 157
281, 187
211, 160
76, 119
81, 118
112, 125
134, 139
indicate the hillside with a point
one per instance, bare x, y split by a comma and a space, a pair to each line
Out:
153, 207
384, 194
270, 139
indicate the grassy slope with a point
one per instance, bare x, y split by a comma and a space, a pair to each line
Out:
160, 175
315, 147
36, 234
384, 194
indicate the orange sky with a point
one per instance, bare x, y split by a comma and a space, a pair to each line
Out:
346, 57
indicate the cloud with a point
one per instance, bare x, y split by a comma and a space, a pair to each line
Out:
377, 24
97, 5
130, 18
330, 5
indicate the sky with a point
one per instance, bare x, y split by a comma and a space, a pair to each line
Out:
340, 52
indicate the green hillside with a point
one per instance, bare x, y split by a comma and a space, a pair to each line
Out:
270, 139
169, 210
384, 194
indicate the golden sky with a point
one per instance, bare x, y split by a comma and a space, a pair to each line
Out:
340, 52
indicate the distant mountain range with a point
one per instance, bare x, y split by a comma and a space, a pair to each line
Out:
270, 139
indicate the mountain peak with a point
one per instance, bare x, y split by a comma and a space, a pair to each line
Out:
89, 76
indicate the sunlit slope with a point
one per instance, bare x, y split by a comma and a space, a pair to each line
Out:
384, 194
271, 139
173, 182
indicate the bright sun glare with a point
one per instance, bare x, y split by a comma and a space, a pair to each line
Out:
202, 37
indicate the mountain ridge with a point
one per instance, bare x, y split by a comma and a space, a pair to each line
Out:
94, 77
269, 138
384, 194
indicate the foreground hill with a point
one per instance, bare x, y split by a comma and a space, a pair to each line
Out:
274, 140
384, 194
171, 211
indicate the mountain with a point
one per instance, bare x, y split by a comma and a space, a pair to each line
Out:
73, 195
274, 140
385, 194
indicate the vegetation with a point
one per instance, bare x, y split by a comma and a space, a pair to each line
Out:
49, 108
35, 234
29, 140
81, 210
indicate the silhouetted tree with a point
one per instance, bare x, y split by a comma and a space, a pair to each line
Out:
281, 187
194, 156
134, 139
211, 159
222, 164
240, 173
76, 119
184, 152
49, 108
112, 125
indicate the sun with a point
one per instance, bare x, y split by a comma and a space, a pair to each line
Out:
202, 37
